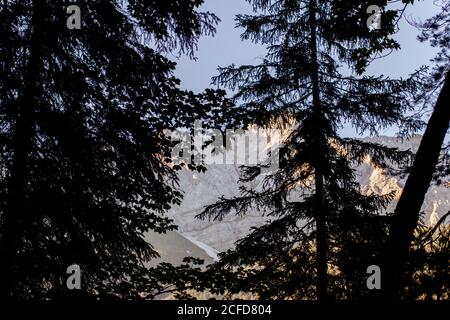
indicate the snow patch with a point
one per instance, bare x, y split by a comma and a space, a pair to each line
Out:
213, 253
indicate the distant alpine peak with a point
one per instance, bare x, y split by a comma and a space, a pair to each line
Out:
202, 189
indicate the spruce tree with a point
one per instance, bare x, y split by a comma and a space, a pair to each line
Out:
84, 169
321, 232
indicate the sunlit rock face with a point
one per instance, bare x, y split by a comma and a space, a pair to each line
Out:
201, 189
437, 200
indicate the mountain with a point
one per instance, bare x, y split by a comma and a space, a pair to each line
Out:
207, 238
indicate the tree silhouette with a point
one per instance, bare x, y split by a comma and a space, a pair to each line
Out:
84, 160
431, 152
321, 232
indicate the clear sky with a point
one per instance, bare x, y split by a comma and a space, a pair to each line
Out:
226, 47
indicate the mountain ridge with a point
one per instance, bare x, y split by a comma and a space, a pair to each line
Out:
202, 189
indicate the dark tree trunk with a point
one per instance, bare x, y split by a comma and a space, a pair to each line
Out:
15, 215
407, 212
321, 216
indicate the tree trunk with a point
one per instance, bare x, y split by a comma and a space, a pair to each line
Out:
14, 217
407, 212
321, 216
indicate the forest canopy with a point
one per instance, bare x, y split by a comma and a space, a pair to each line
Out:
94, 119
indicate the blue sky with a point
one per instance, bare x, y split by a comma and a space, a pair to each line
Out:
226, 47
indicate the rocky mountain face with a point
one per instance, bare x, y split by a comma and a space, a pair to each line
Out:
201, 189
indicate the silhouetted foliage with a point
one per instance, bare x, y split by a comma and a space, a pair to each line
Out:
321, 232
84, 169
427, 161
427, 266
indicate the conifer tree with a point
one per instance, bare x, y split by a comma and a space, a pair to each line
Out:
432, 158
321, 232
83, 159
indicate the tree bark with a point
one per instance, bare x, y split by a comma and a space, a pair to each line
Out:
407, 212
14, 217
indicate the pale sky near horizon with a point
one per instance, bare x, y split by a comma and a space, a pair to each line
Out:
226, 48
